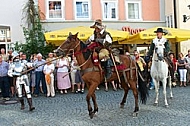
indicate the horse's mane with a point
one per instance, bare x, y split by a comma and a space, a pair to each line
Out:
83, 48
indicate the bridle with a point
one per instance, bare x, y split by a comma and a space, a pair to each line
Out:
59, 48
159, 58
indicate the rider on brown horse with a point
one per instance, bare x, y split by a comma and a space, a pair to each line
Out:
104, 38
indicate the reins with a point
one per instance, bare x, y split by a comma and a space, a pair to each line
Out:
79, 52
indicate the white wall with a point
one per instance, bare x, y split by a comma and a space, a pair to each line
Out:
11, 15
182, 9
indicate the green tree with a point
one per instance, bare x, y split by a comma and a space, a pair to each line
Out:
34, 33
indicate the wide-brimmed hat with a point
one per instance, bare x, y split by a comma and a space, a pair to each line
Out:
159, 30
97, 23
171, 53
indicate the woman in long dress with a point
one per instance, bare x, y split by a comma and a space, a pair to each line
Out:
63, 80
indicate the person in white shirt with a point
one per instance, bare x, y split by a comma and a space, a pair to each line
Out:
63, 80
49, 77
74, 67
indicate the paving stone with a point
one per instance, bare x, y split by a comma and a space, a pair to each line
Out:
71, 110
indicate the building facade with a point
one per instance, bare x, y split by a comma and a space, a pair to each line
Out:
128, 15
181, 7
116, 14
11, 12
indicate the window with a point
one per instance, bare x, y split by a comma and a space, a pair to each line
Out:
109, 8
82, 9
55, 9
2, 32
169, 21
133, 10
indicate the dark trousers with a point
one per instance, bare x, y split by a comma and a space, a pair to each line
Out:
40, 77
5, 86
171, 69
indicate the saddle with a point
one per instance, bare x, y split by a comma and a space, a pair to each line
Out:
96, 58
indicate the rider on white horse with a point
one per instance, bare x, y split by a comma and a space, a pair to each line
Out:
159, 40
159, 68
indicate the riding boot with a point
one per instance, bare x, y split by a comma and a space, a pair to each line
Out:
22, 103
30, 104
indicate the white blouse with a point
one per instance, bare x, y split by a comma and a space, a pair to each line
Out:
49, 68
62, 62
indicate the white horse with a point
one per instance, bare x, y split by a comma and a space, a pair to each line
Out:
159, 72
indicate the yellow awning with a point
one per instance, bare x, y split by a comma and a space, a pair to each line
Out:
145, 37
59, 36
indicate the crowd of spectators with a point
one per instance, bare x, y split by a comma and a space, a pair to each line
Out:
47, 79
61, 74
179, 68
56, 75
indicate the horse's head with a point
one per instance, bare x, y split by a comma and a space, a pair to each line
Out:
159, 51
70, 44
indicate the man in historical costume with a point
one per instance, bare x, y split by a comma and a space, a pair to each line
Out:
104, 38
15, 70
159, 39
140, 61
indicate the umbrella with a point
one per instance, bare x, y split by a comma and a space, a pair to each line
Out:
59, 36
145, 37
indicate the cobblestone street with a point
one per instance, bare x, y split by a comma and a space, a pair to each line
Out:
71, 110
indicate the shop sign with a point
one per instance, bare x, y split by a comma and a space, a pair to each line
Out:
132, 31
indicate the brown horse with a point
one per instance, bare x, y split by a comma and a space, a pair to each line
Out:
92, 75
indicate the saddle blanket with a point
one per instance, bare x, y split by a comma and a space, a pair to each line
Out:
121, 67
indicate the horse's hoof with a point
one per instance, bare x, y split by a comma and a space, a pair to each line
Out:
122, 106
155, 104
135, 114
171, 97
91, 115
166, 106
95, 110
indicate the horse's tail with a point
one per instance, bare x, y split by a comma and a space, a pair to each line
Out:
142, 87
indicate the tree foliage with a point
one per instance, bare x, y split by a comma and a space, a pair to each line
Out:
34, 33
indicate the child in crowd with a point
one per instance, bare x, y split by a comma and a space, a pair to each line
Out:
49, 77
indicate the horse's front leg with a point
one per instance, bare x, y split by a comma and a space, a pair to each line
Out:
126, 89
133, 85
170, 85
164, 92
156, 85
91, 91
95, 103
88, 96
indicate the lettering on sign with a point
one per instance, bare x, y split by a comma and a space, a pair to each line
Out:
64, 36
52, 36
132, 31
